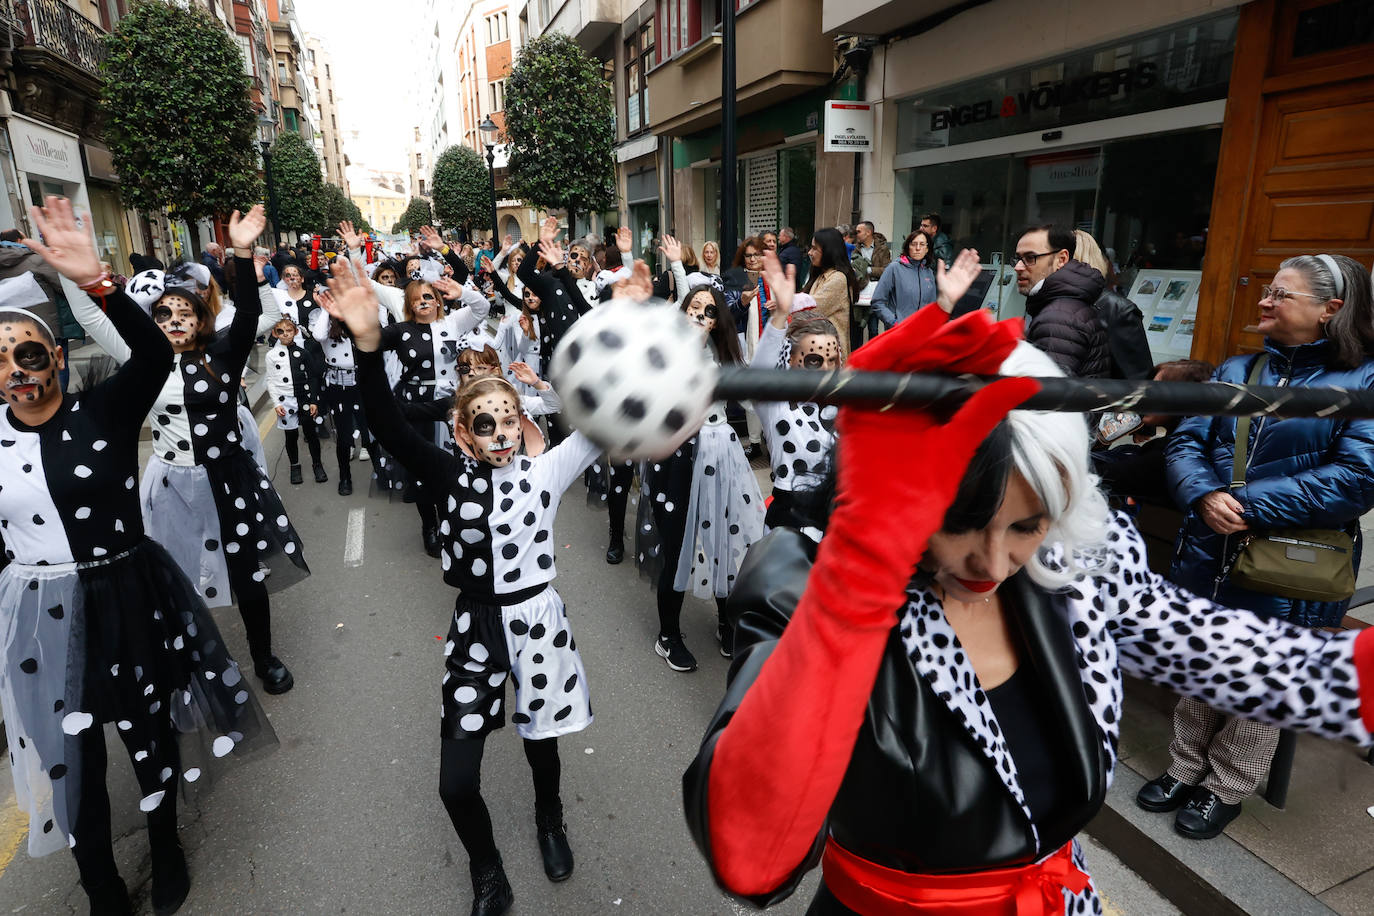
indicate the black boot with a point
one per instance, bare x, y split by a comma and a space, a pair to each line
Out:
320, 475
431, 536
296, 473
276, 677
615, 553
345, 486
171, 880
491, 893
553, 842
109, 898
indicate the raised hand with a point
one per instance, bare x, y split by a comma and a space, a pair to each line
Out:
350, 299
431, 239
524, 373
244, 230
955, 281
671, 248
448, 288
527, 326
508, 242
486, 262
350, 236
783, 283
623, 239
69, 248
260, 262
551, 250
638, 287
548, 230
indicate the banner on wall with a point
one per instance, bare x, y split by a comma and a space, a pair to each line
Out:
848, 127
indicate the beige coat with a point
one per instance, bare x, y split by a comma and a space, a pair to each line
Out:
831, 293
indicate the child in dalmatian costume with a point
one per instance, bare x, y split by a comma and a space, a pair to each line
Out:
700, 507
801, 437
97, 623
203, 496
961, 727
294, 394
341, 394
498, 508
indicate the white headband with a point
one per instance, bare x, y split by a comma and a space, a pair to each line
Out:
15, 310
1335, 269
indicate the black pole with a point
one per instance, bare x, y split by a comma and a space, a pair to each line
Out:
1073, 395
271, 195
491, 174
728, 171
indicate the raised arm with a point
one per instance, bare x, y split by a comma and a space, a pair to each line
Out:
391, 297
243, 233
95, 322
435, 242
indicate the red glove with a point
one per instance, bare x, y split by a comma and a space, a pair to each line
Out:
780, 760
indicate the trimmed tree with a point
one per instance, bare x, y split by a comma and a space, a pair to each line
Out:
178, 119
336, 207
417, 214
297, 184
560, 128
461, 189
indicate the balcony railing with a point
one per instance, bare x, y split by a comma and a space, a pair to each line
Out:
56, 27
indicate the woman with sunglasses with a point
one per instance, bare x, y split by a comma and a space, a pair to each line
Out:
97, 622
701, 507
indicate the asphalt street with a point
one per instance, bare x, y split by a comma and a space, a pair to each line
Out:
344, 816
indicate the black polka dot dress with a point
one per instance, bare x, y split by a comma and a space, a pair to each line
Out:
97, 623
341, 376
203, 496
289, 383
496, 529
699, 510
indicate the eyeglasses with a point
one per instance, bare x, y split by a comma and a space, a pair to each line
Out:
1278, 294
1030, 257
752, 254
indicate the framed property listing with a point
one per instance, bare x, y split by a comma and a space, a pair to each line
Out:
1168, 300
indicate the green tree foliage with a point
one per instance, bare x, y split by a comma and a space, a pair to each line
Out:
178, 119
297, 184
417, 214
461, 189
560, 127
336, 207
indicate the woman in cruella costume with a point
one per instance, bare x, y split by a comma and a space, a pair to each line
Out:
948, 660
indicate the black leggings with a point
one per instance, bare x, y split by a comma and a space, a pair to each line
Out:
460, 788
94, 847
621, 479
312, 440
342, 399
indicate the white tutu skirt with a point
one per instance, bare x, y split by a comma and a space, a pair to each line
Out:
124, 640
222, 523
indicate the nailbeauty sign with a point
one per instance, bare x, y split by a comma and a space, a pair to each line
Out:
41, 151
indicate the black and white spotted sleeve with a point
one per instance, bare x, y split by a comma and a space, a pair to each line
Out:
1233, 660
131, 391
243, 331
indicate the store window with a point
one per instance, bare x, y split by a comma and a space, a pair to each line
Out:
1147, 201
775, 189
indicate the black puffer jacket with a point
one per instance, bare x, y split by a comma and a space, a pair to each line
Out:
1061, 320
1126, 340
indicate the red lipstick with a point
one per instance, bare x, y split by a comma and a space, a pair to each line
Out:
979, 586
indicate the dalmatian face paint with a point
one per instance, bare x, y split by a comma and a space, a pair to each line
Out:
701, 310
815, 351
28, 365
531, 300
493, 428
386, 277
178, 320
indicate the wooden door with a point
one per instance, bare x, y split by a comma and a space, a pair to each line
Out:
1296, 174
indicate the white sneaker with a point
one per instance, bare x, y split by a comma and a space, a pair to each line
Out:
363, 455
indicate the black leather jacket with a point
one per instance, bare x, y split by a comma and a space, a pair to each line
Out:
919, 795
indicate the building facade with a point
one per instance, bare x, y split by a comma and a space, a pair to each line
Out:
329, 140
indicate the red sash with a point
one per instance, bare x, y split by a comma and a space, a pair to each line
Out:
874, 890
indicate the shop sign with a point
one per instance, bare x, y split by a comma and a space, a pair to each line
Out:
41, 151
99, 162
848, 127
1168, 68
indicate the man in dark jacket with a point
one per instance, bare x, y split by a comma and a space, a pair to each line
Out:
789, 252
1060, 292
213, 259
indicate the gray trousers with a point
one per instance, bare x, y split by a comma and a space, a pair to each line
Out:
1225, 754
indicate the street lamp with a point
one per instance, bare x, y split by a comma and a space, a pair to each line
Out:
489, 130
265, 127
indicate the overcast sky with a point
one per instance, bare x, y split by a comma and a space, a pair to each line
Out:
373, 61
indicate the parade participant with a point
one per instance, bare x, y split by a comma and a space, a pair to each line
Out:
508, 619
984, 693
97, 623
701, 507
801, 437
294, 395
341, 395
203, 497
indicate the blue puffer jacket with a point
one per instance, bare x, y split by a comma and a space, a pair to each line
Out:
1304, 473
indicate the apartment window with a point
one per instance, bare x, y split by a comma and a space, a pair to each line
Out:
682, 23
497, 28
498, 95
246, 49
639, 57
283, 75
